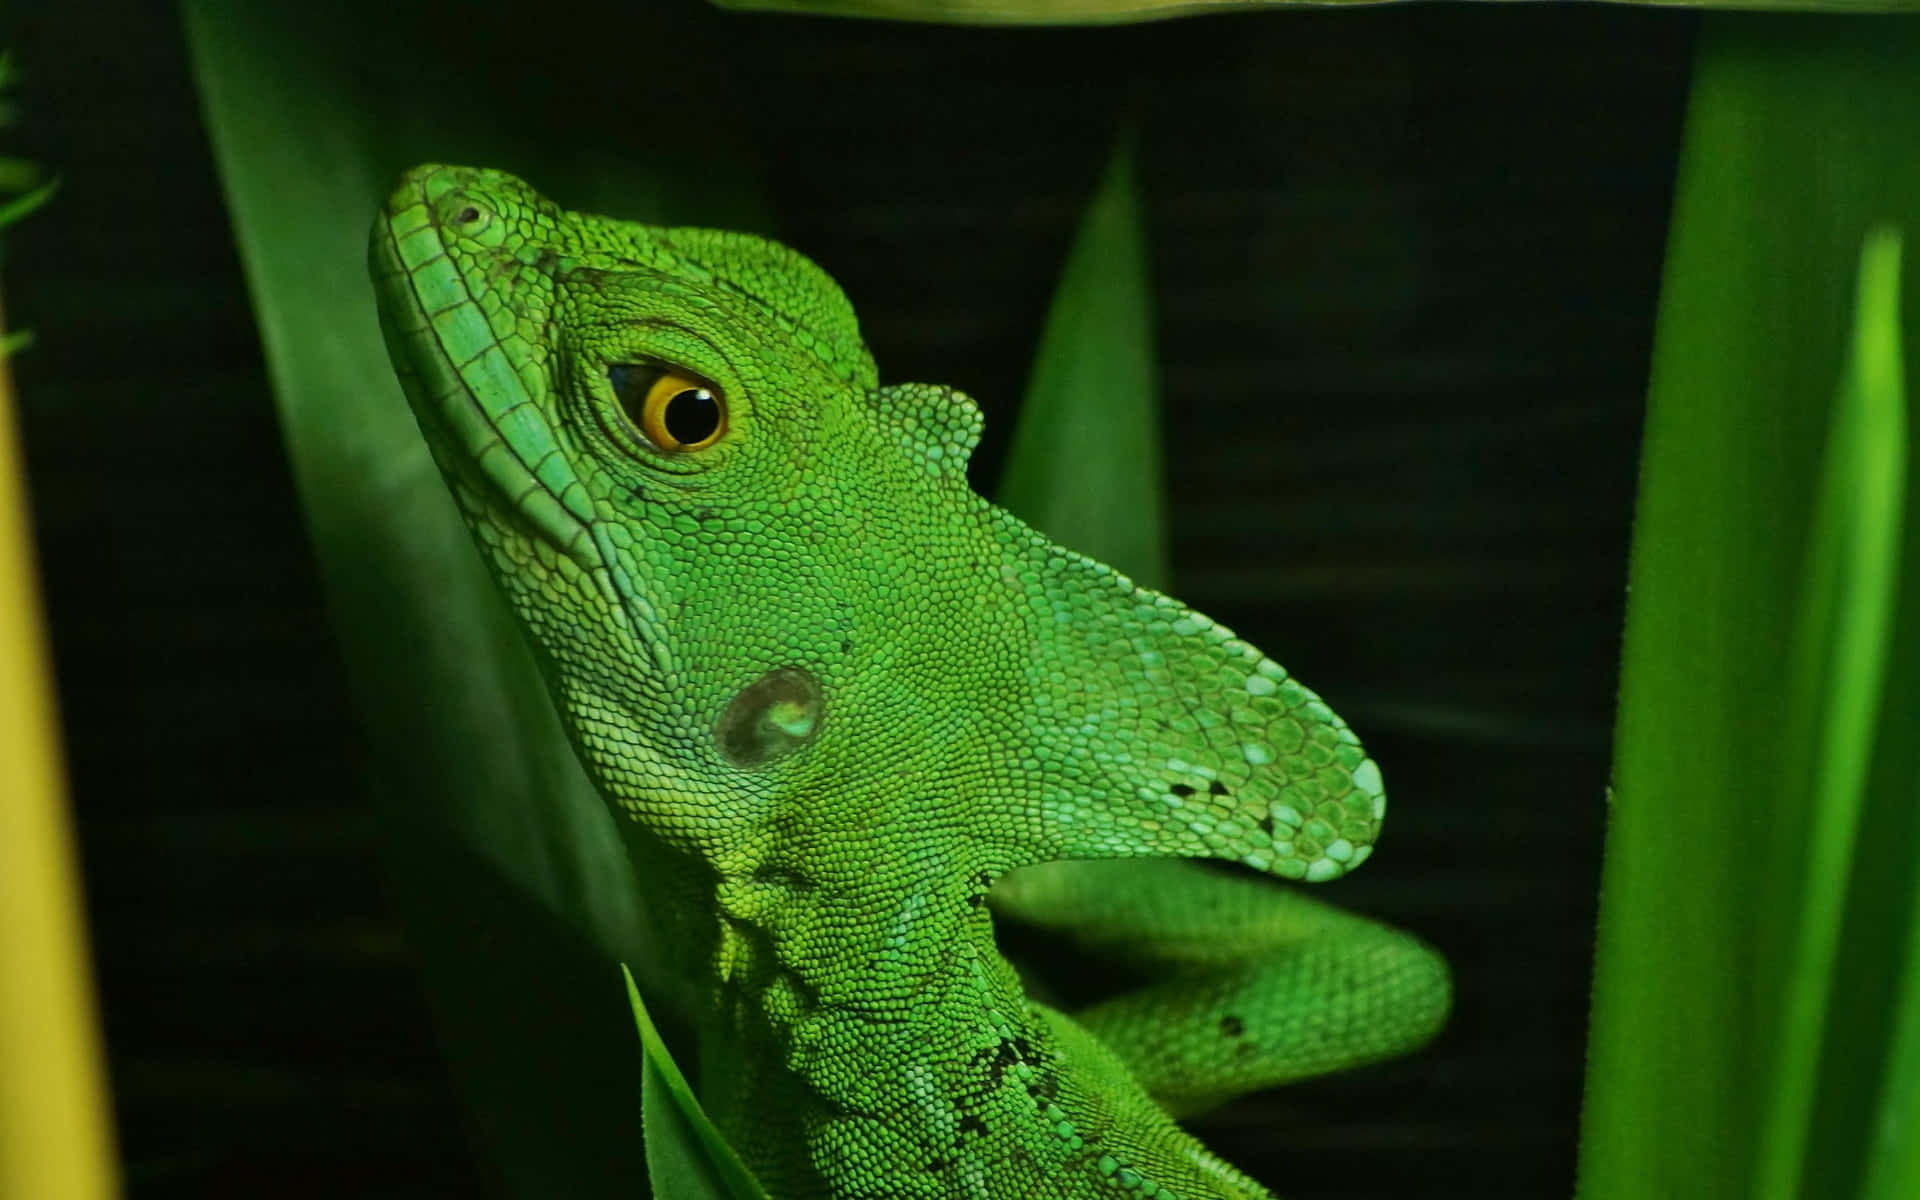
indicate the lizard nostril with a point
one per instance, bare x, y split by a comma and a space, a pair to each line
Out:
461, 215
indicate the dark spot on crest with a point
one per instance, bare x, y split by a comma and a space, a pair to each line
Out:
1181, 789
938, 1165
1003, 1057
846, 646
1233, 1027
972, 1124
1266, 825
982, 883
1217, 788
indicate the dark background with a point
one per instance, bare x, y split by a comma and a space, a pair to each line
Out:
1406, 262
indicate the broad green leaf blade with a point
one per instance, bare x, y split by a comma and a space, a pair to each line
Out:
1798, 142
687, 1158
1838, 665
1084, 465
1115, 12
507, 868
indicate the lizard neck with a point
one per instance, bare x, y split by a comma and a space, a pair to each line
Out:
898, 1042
910, 1044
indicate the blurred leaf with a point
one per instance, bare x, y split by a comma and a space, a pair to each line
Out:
1084, 464
1749, 937
1114, 12
1835, 673
687, 1158
16, 207
1891, 1143
510, 873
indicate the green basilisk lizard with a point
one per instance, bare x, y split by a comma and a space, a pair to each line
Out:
845, 703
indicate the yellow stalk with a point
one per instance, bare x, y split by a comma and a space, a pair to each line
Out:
54, 1139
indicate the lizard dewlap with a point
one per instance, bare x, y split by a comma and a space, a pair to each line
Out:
839, 698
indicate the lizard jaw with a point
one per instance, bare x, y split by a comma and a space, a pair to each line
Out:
480, 441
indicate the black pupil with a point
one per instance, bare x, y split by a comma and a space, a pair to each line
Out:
692, 416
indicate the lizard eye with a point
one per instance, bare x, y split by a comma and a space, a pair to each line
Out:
674, 410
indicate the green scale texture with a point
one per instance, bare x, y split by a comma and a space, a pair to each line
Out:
841, 697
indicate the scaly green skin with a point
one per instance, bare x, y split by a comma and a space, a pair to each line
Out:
840, 696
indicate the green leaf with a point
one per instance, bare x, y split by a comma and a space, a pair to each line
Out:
687, 1158
1758, 894
16, 207
1868, 458
1084, 464
508, 870
23, 188
1836, 671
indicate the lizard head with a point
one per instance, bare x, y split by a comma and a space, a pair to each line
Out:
755, 578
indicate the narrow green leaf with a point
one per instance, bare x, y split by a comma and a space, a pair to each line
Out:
19, 206
24, 185
687, 1158
1085, 461
1838, 666
1892, 1170
1761, 853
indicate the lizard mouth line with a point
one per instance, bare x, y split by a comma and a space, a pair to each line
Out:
477, 443
502, 459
